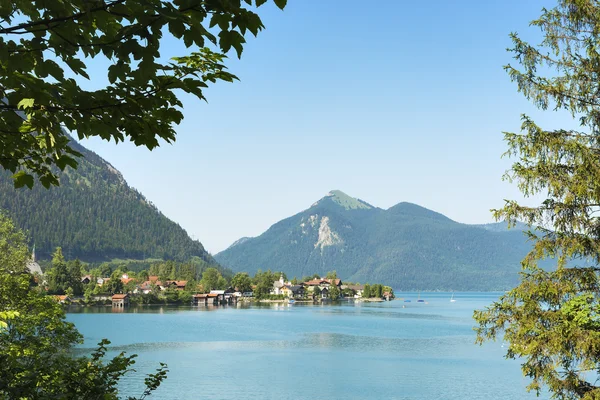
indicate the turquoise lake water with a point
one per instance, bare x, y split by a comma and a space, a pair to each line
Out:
347, 351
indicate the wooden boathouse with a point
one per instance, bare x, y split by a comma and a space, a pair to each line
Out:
206, 299
120, 300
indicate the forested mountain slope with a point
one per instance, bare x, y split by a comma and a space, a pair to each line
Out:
95, 215
406, 246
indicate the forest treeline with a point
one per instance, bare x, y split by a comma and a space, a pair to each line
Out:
95, 215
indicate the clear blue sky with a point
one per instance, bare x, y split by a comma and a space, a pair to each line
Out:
387, 101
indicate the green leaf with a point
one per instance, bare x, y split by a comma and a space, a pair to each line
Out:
26, 127
177, 28
113, 70
77, 66
21, 179
25, 103
280, 3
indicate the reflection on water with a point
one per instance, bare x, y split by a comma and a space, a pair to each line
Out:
281, 351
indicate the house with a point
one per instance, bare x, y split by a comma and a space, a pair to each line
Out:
144, 287
125, 279
86, 279
62, 299
177, 285
120, 300
249, 293
356, 289
147, 286
286, 291
298, 290
293, 291
335, 282
316, 282
102, 281
323, 283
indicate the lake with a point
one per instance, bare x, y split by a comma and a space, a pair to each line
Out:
392, 350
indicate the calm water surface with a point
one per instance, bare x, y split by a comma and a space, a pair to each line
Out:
348, 351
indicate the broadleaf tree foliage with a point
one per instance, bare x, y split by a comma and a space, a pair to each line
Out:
45, 49
37, 342
551, 320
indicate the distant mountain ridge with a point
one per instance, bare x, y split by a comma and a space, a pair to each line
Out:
406, 246
95, 215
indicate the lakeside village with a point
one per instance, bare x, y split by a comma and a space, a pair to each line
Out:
186, 284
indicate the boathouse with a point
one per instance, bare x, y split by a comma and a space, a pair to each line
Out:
120, 300
205, 299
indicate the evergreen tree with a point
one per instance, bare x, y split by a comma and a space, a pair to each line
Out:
74, 272
58, 277
378, 291
367, 291
187, 272
551, 320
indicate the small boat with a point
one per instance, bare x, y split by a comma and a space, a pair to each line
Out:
291, 301
407, 301
452, 298
419, 300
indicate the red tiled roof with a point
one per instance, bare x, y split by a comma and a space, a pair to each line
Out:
356, 287
148, 284
205, 295
126, 280
119, 296
316, 282
61, 297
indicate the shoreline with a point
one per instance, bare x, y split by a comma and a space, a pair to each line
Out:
245, 301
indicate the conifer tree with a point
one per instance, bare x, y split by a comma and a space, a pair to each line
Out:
58, 276
551, 320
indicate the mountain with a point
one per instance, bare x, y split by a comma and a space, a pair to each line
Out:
406, 246
96, 216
